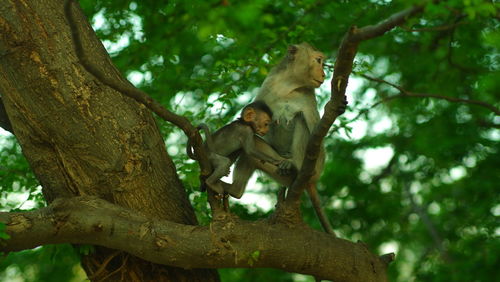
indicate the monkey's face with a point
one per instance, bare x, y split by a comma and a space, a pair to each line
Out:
316, 64
261, 123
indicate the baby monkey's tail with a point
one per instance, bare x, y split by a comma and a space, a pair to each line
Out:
208, 138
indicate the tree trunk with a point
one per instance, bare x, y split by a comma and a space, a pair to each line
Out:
83, 138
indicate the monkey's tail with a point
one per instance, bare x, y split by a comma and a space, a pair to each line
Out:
208, 141
208, 135
323, 219
189, 150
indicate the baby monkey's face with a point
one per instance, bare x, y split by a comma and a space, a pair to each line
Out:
261, 123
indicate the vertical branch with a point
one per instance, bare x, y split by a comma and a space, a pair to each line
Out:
342, 70
431, 228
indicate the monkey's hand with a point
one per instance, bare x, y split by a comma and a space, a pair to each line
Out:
286, 167
343, 105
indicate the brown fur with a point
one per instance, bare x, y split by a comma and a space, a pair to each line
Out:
289, 91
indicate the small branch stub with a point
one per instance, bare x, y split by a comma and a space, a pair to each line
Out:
387, 258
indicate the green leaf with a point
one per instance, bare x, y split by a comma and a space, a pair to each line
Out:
253, 258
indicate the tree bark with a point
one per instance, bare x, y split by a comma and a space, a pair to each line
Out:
83, 138
230, 242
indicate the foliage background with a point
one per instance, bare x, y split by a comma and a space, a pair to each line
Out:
417, 176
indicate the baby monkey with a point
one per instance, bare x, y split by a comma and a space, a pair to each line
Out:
226, 144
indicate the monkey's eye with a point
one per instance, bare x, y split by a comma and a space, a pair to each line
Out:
318, 60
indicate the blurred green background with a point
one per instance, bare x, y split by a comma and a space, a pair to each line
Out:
417, 176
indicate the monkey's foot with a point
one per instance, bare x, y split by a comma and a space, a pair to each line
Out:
235, 194
217, 187
232, 190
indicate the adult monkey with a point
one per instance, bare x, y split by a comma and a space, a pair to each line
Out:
289, 91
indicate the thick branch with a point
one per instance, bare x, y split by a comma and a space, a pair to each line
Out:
342, 70
226, 243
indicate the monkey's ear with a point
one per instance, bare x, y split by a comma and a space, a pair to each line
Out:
292, 50
249, 115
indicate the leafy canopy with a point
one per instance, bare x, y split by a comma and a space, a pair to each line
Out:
417, 175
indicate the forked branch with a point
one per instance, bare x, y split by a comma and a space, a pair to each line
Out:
342, 70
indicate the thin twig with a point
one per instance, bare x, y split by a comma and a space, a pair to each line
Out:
407, 93
379, 29
433, 28
103, 265
431, 228
118, 269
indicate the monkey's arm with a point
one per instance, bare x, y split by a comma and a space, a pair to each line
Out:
248, 144
281, 165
